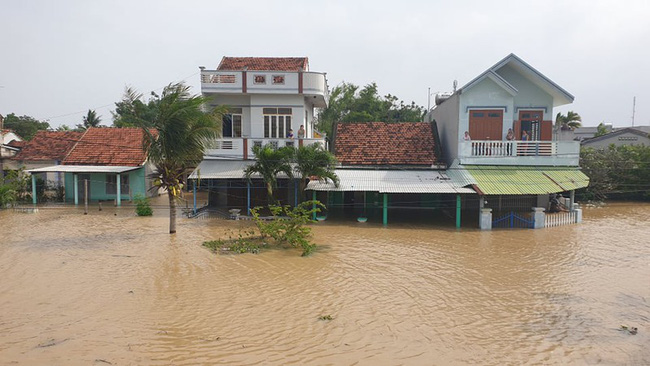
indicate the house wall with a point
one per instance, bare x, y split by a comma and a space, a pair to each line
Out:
530, 96
98, 186
446, 117
625, 138
485, 95
55, 178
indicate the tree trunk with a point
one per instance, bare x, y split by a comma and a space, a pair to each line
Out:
269, 191
172, 212
302, 184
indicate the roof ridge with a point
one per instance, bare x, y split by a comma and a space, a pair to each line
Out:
75, 144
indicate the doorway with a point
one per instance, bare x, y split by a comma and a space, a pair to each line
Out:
486, 124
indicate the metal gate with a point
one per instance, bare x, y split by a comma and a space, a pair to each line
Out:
513, 220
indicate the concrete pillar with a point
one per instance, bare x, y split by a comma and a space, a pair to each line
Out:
33, 188
458, 206
248, 197
313, 206
572, 197
576, 208
486, 219
539, 217
119, 190
385, 220
76, 188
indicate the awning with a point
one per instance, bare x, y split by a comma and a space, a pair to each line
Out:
84, 169
220, 169
392, 181
520, 180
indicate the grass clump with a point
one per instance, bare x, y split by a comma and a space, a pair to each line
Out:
142, 206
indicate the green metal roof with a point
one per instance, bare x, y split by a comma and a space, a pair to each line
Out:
519, 180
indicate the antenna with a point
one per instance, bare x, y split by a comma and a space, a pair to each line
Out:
455, 85
633, 109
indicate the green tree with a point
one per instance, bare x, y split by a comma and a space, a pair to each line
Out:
176, 137
348, 103
64, 128
132, 110
269, 162
25, 126
571, 120
601, 130
312, 161
90, 120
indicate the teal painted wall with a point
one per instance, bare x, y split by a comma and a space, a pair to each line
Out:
98, 186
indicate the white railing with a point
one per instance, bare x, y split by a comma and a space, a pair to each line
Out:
560, 218
513, 148
491, 152
278, 143
226, 147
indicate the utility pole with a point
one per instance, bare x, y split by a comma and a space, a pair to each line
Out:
429, 100
633, 109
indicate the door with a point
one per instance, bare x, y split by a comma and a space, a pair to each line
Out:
486, 124
531, 122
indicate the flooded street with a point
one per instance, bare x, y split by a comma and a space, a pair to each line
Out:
112, 288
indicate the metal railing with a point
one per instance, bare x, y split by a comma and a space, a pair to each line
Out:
513, 148
560, 218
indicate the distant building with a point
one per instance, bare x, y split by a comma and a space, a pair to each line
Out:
619, 137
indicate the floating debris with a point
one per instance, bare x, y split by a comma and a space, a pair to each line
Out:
325, 317
629, 330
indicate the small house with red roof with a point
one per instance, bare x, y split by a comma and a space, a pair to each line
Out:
10, 145
387, 169
45, 149
110, 162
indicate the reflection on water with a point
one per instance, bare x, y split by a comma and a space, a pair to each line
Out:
111, 287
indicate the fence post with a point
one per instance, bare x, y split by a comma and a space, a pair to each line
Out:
486, 219
85, 196
539, 217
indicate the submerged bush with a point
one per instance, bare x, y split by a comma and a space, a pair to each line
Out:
142, 206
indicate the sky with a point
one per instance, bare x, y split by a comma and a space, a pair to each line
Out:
60, 58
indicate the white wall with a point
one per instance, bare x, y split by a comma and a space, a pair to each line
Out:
446, 117
529, 95
485, 95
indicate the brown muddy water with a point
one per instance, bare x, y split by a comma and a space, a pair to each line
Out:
108, 289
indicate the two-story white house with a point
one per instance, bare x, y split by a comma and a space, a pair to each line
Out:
497, 133
271, 100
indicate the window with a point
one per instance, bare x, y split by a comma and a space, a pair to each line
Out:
259, 79
277, 122
278, 79
477, 114
111, 184
231, 123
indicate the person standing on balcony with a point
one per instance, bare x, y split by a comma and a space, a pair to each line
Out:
524, 136
301, 132
510, 135
290, 134
466, 137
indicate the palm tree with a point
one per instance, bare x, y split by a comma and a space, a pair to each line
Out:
181, 132
571, 120
269, 162
312, 161
91, 119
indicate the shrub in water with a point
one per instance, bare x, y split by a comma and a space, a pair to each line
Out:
142, 206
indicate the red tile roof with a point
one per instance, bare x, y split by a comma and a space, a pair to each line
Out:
16, 143
264, 63
381, 143
108, 146
47, 145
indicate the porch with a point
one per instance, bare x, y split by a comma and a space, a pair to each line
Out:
526, 153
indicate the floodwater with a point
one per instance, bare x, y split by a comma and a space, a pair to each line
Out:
110, 288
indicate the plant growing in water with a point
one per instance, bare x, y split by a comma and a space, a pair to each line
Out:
289, 224
142, 206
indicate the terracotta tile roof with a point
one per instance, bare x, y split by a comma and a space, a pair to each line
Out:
48, 145
108, 146
381, 143
16, 143
264, 63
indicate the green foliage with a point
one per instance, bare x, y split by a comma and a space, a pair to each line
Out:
142, 205
289, 224
570, 121
349, 104
133, 111
25, 126
269, 162
621, 172
176, 134
601, 130
243, 242
90, 120
314, 161
8, 196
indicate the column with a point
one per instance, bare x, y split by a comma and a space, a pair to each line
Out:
194, 197
385, 221
76, 188
33, 188
458, 211
119, 189
248, 197
539, 217
486, 219
313, 206
572, 197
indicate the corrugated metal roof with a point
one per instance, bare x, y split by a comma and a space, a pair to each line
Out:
85, 169
518, 180
392, 181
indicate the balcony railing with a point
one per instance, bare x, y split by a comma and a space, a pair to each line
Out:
520, 152
267, 82
242, 147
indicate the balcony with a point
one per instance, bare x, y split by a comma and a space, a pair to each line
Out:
310, 84
242, 147
532, 153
